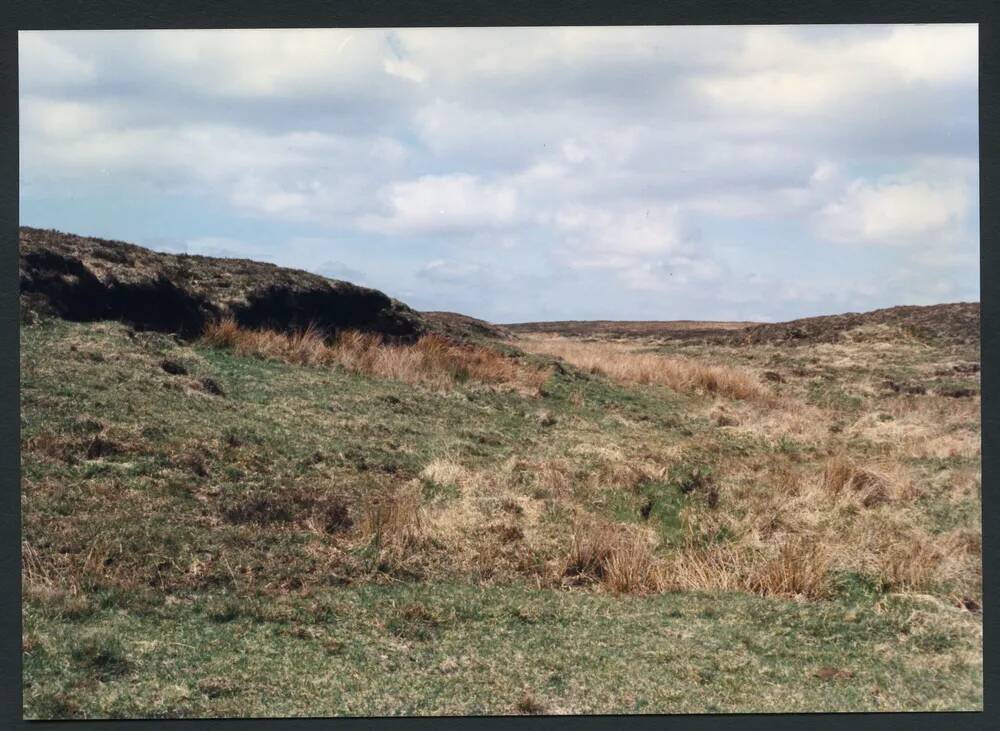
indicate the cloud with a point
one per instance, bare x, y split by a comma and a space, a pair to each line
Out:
44, 63
930, 53
656, 165
266, 63
405, 70
62, 121
894, 211
674, 273
340, 270
443, 204
299, 176
453, 272
840, 71
603, 239
644, 248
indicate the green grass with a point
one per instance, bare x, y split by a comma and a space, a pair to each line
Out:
447, 649
180, 579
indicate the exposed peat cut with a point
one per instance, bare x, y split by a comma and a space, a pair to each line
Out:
85, 279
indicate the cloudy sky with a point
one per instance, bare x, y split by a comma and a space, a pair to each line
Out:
529, 174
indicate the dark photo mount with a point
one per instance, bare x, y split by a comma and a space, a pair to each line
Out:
61, 287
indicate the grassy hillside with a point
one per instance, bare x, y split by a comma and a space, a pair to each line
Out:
251, 526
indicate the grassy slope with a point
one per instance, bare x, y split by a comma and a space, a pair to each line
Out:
126, 469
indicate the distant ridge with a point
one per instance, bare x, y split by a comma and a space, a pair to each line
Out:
957, 322
692, 329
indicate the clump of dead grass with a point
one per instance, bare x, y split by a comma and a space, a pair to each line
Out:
910, 565
628, 366
394, 532
37, 574
304, 347
432, 359
392, 518
618, 557
631, 567
799, 567
795, 567
843, 475
325, 513
916, 560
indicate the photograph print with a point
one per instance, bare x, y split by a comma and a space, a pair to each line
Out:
498, 371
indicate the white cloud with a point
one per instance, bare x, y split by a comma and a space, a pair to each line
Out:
894, 211
266, 63
340, 270
781, 71
405, 70
670, 274
443, 270
43, 62
646, 249
61, 119
929, 53
781, 91
599, 238
308, 176
443, 204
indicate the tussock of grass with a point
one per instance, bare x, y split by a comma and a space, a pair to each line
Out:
631, 567
394, 533
627, 366
392, 518
795, 568
433, 359
842, 475
619, 557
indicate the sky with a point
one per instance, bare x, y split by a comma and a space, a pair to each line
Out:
520, 174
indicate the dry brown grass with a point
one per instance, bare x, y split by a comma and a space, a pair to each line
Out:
305, 347
64, 580
800, 567
913, 564
433, 359
916, 560
789, 525
796, 567
445, 470
843, 475
627, 366
620, 557
392, 519
394, 536
784, 417
925, 427
35, 571
632, 568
